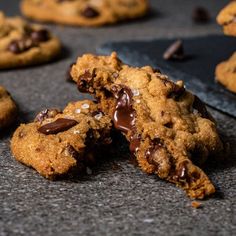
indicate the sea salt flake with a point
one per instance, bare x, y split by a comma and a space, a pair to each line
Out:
98, 116
138, 101
85, 106
135, 92
76, 132
77, 111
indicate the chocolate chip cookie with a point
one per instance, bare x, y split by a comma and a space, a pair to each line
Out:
169, 129
84, 12
8, 109
22, 44
226, 73
227, 18
59, 143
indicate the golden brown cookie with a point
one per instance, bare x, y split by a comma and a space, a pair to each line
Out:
227, 18
8, 109
57, 143
84, 12
22, 44
226, 73
169, 129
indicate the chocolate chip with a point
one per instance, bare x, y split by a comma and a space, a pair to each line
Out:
201, 108
57, 126
169, 125
21, 45
175, 51
90, 12
14, 47
156, 144
41, 35
124, 114
181, 172
134, 143
200, 15
83, 81
47, 113
176, 91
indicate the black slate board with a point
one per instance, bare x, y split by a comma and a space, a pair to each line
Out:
203, 54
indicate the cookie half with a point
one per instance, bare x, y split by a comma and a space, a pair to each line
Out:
227, 18
226, 73
169, 129
59, 143
8, 109
84, 12
23, 44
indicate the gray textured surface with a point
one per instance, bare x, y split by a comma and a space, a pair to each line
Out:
115, 201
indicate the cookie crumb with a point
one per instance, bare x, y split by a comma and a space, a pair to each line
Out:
196, 205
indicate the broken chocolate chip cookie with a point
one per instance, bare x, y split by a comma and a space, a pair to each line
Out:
8, 109
23, 44
169, 129
84, 12
59, 143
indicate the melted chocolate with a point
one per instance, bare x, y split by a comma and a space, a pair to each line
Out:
57, 126
134, 143
124, 114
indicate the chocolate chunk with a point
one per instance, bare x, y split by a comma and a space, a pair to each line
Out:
47, 113
124, 114
14, 47
181, 172
83, 81
41, 35
90, 12
201, 108
134, 143
176, 91
57, 126
175, 51
150, 152
21, 45
200, 15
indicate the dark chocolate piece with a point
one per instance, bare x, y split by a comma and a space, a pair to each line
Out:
200, 15
57, 126
199, 105
175, 51
83, 82
90, 12
124, 114
41, 35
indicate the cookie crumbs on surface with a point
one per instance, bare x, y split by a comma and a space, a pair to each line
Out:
196, 204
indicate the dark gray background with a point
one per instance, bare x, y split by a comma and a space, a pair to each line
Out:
119, 199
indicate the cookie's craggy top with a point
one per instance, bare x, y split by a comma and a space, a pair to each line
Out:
169, 129
227, 18
8, 109
84, 12
22, 44
226, 73
59, 143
